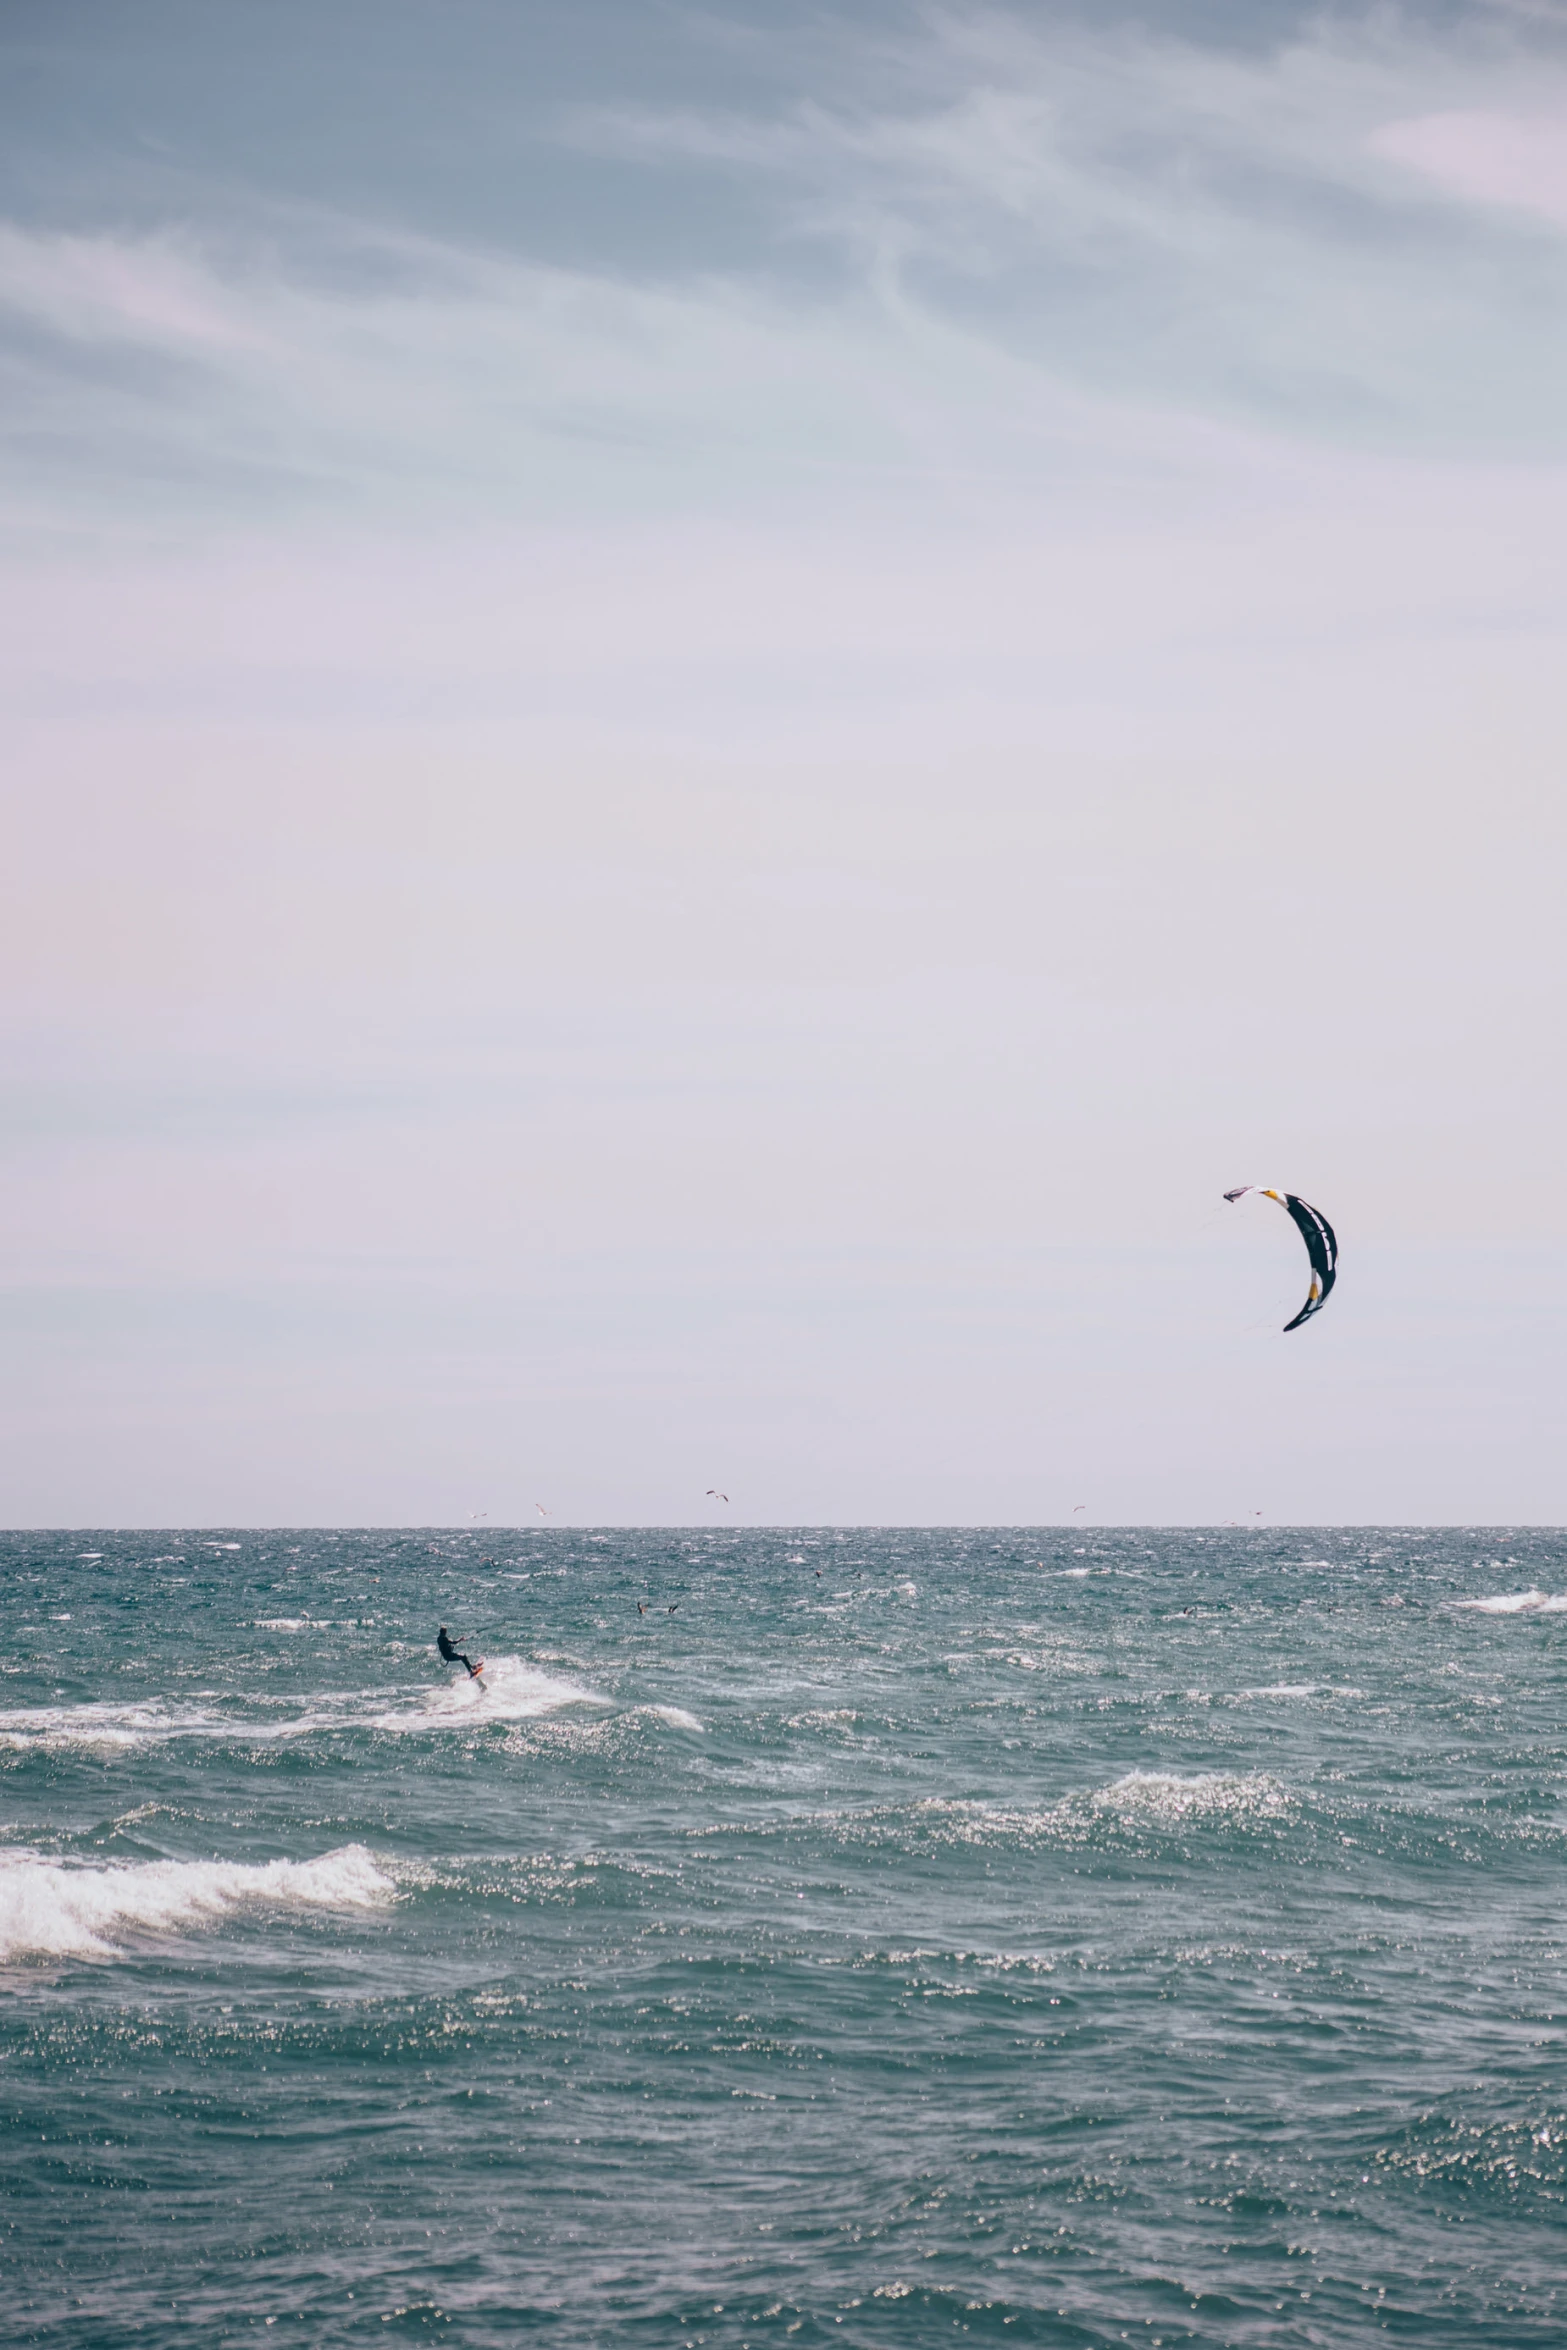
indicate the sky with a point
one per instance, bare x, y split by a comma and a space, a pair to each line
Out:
709, 710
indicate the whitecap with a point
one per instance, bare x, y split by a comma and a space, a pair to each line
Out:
1302, 1689
675, 1715
1167, 1796
58, 1909
1519, 1603
105, 1725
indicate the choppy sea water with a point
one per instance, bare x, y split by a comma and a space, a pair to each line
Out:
1078, 1938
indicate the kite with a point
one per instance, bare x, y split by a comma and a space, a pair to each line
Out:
1321, 1246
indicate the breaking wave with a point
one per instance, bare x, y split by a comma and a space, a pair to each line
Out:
57, 1909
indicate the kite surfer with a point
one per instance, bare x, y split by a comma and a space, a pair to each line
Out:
454, 1656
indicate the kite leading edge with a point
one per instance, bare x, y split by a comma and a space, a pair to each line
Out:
1321, 1245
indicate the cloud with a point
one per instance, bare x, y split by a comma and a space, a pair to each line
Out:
414, 375
1025, 232
1169, 219
1518, 160
155, 291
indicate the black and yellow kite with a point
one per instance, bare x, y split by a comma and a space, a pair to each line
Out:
1321, 1246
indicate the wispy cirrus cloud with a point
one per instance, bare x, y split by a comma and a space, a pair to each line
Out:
1233, 228
1022, 230
412, 374
160, 292
1516, 160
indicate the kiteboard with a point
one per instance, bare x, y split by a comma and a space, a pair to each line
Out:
477, 1669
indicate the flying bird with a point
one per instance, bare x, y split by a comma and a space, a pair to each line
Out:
713, 1494
1078, 1505
539, 1506
1321, 1248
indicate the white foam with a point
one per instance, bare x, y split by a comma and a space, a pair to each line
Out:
1303, 1689
107, 1725
57, 1910
904, 1590
1166, 1795
1519, 1603
675, 1715
511, 1691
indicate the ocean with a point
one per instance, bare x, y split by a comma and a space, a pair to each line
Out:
1071, 1937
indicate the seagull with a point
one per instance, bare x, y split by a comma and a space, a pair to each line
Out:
1078, 1505
539, 1506
713, 1494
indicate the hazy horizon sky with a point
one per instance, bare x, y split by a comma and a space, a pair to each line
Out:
710, 710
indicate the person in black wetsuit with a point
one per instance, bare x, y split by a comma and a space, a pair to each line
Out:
454, 1656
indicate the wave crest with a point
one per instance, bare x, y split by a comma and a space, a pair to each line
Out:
59, 1909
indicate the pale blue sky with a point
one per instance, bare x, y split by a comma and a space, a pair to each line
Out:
711, 710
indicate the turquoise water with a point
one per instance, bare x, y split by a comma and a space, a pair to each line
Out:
1056, 1937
